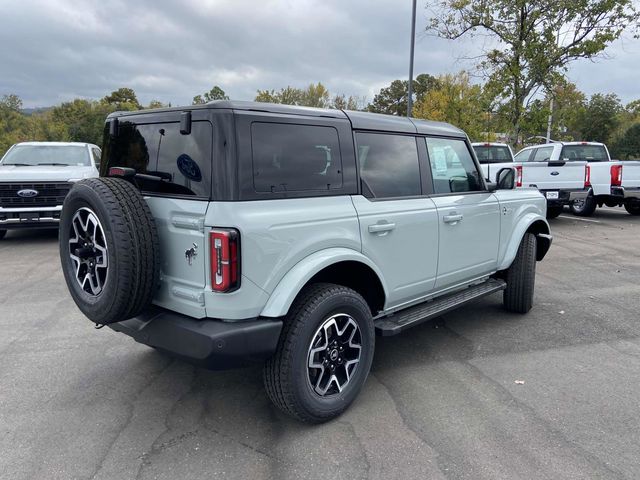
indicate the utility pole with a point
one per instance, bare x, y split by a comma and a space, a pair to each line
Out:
550, 121
413, 43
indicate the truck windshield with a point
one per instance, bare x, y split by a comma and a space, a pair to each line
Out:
584, 153
493, 154
56, 155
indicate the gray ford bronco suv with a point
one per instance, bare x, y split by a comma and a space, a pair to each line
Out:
236, 232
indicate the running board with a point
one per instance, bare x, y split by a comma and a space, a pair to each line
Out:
399, 321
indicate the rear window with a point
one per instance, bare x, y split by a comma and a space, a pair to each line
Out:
492, 154
295, 158
584, 153
177, 164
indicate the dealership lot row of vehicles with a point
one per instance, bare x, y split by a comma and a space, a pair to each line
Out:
235, 232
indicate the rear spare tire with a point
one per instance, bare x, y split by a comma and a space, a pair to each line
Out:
108, 249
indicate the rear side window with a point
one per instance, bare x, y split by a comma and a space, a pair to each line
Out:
452, 167
295, 158
585, 153
177, 164
492, 154
388, 165
522, 156
542, 154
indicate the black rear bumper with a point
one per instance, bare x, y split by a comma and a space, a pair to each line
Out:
209, 343
565, 196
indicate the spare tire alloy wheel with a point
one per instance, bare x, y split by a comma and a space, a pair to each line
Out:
334, 355
88, 251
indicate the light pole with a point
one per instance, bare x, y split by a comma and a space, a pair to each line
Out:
413, 42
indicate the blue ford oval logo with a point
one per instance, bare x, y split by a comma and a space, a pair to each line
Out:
554, 173
189, 168
27, 193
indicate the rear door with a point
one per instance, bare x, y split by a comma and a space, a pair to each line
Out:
468, 215
398, 224
174, 174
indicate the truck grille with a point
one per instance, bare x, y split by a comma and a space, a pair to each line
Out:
49, 194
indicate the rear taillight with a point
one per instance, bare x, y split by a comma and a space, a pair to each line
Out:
518, 175
616, 175
587, 176
225, 259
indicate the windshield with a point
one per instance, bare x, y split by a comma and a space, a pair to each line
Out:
33, 155
492, 154
584, 153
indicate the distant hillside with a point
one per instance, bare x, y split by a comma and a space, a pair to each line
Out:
31, 111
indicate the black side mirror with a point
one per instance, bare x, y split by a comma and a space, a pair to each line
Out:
491, 186
185, 123
506, 179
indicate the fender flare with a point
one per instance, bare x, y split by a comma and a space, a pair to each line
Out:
523, 226
295, 279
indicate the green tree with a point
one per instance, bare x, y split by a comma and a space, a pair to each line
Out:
535, 41
315, 95
124, 98
392, 99
11, 102
628, 146
600, 118
216, 93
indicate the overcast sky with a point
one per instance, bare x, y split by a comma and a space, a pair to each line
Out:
57, 50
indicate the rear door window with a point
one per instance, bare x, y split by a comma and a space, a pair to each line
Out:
295, 158
389, 165
523, 156
452, 167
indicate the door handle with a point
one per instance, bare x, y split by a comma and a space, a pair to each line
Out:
381, 227
453, 218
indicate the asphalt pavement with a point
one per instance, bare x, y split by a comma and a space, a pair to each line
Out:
477, 394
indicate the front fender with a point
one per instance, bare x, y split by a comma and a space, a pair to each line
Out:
295, 279
524, 224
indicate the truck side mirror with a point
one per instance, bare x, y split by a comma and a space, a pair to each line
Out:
506, 179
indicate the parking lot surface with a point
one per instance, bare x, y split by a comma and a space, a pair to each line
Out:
478, 394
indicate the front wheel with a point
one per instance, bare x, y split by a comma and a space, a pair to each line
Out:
324, 354
584, 207
633, 207
521, 277
554, 211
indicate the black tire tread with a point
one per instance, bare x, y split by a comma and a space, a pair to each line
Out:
520, 277
277, 368
632, 208
589, 207
553, 212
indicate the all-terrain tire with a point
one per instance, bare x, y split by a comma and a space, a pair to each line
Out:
521, 277
553, 212
584, 208
286, 373
633, 207
131, 239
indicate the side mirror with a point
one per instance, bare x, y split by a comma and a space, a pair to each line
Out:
491, 186
113, 127
506, 179
185, 123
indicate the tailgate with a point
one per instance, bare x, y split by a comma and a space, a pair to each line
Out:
556, 176
630, 174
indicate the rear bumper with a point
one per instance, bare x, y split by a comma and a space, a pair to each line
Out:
623, 193
209, 343
30, 217
566, 196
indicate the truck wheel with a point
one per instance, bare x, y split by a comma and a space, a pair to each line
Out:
521, 277
633, 207
554, 211
324, 354
108, 249
584, 207
2, 234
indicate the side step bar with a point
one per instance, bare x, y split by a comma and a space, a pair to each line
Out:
399, 321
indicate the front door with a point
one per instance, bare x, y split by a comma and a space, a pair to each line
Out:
398, 226
468, 215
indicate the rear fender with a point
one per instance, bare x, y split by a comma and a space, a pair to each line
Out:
287, 290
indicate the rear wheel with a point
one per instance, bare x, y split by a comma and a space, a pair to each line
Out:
324, 354
521, 277
2, 234
632, 206
554, 211
584, 207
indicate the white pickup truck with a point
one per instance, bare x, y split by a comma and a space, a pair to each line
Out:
35, 178
561, 182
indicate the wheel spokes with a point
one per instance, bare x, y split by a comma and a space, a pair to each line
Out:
88, 251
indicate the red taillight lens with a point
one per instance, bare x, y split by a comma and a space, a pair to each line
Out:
518, 175
225, 259
616, 175
587, 176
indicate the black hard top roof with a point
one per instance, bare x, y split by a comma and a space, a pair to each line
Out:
359, 120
